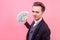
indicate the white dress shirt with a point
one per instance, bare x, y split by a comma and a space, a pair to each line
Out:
36, 22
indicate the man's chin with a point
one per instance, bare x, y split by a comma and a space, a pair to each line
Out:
36, 19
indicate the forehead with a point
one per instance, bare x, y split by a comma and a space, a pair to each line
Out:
36, 8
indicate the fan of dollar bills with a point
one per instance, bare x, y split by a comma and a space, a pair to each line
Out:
22, 15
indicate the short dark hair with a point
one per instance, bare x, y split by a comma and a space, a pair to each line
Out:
40, 4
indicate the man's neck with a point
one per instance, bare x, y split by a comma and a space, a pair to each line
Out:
36, 21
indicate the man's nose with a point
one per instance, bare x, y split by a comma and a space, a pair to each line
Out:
34, 13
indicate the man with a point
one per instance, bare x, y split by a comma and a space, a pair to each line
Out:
38, 30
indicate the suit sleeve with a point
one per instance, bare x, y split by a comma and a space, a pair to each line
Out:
46, 35
27, 25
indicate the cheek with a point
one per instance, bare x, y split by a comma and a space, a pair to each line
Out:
39, 15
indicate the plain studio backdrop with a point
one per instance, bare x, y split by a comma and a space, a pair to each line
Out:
10, 29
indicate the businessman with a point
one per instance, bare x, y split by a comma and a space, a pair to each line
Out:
38, 30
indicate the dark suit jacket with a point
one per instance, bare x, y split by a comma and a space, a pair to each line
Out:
42, 32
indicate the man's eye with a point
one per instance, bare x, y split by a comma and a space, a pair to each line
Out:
32, 11
37, 12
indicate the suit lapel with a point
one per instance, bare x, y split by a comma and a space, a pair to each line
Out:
37, 29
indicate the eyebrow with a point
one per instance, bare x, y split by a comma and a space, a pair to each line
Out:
35, 11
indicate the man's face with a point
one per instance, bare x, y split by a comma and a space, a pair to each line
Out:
37, 12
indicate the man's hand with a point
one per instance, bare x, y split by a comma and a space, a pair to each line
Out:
25, 20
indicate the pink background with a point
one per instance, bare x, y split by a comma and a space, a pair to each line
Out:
10, 29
